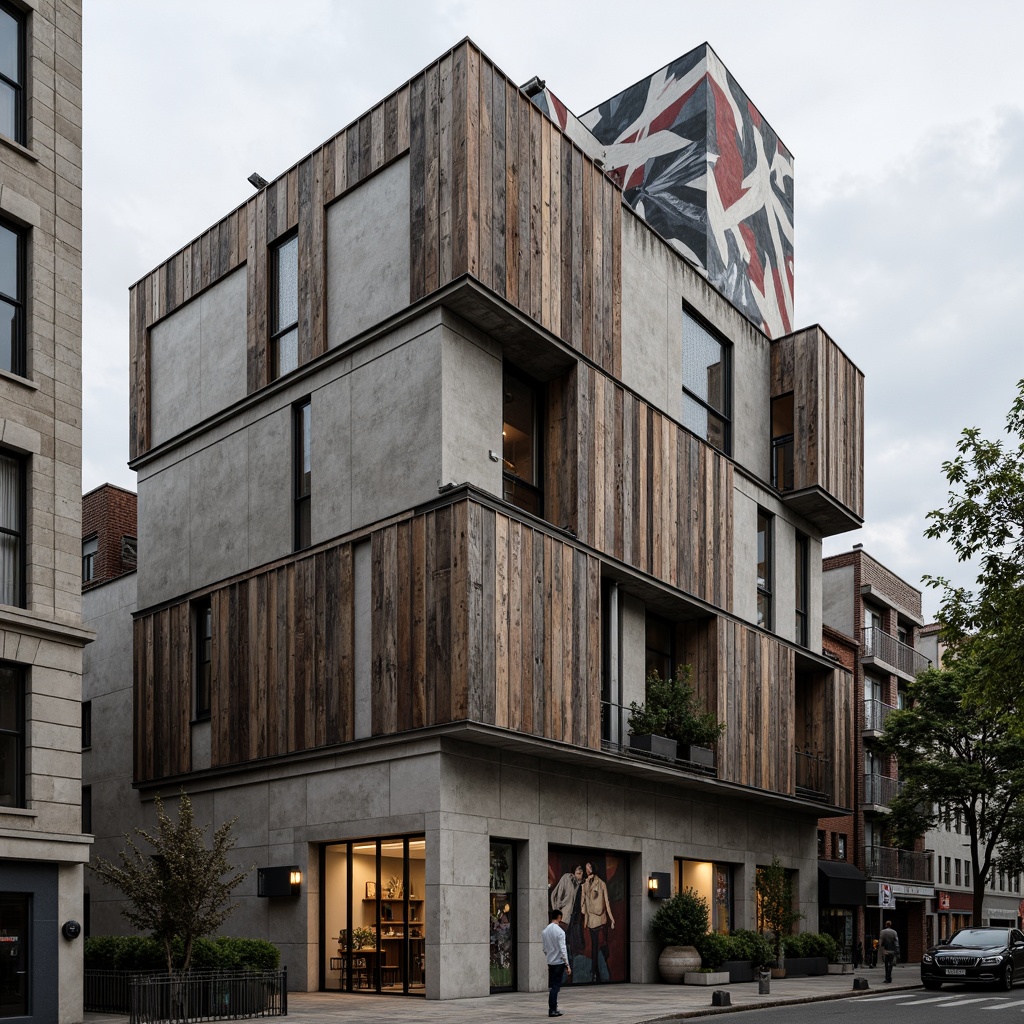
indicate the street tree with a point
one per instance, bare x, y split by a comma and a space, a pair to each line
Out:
773, 886
179, 890
956, 756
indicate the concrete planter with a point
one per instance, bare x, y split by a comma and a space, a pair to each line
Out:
739, 970
806, 966
676, 961
703, 756
706, 978
651, 743
840, 968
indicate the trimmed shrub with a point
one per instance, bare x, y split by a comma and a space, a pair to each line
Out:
681, 920
753, 946
715, 949
140, 953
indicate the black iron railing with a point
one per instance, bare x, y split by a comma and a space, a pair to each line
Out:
875, 714
615, 738
813, 773
906, 865
880, 789
902, 657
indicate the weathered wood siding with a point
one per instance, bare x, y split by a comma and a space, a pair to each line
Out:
497, 192
828, 413
634, 485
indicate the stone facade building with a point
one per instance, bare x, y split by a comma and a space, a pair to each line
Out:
42, 846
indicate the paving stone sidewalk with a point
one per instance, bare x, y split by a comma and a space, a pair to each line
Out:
599, 1004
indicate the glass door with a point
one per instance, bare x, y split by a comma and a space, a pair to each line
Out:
503, 917
14, 917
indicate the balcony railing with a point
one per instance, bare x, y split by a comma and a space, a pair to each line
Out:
615, 738
904, 865
813, 774
902, 657
880, 789
875, 714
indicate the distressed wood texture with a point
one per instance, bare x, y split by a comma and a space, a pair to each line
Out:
633, 484
483, 618
828, 410
499, 193
282, 668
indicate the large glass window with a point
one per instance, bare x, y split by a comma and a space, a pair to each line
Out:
284, 307
12, 299
521, 448
782, 442
706, 383
12, 73
503, 917
764, 569
14, 953
659, 646
800, 572
203, 611
715, 883
12, 537
12, 736
303, 475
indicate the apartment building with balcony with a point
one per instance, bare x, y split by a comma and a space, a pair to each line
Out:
42, 846
865, 600
441, 447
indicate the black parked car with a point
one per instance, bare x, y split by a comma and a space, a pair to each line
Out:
976, 955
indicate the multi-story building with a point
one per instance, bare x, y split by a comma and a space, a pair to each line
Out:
42, 846
865, 600
441, 446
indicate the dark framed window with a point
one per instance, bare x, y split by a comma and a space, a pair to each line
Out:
203, 611
90, 549
821, 844
86, 724
12, 529
284, 307
12, 735
782, 442
12, 299
12, 73
129, 550
800, 572
707, 383
503, 916
303, 474
521, 442
764, 569
659, 646
87, 810
840, 846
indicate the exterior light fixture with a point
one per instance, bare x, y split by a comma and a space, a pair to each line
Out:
659, 885
257, 181
277, 882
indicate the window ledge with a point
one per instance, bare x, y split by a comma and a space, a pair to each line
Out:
19, 148
17, 378
21, 812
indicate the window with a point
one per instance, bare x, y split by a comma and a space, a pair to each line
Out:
284, 307
204, 656
945, 871
659, 647
841, 847
520, 443
12, 298
764, 569
967, 874
90, 548
956, 871
12, 537
12, 73
706, 383
782, 442
129, 550
800, 570
86, 724
821, 844
12, 736
303, 473
87, 809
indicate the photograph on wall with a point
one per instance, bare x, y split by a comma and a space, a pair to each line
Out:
591, 889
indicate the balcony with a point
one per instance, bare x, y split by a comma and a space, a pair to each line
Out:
615, 739
888, 653
880, 790
875, 714
901, 865
813, 775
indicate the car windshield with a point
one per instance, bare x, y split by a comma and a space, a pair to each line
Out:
979, 937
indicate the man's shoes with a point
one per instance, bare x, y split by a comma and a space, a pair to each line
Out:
554, 1013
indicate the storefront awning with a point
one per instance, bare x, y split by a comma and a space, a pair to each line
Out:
840, 884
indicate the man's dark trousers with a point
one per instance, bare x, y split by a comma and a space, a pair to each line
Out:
890, 959
556, 975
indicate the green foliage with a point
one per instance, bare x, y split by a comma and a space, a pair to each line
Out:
774, 888
673, 710
681, 920
954, 752
752, 946
179, 890
140, 953
812, 944
715, 949
361, 938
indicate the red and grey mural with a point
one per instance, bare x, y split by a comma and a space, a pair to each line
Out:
695, 159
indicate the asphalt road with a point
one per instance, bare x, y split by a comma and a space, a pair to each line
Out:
958, 1004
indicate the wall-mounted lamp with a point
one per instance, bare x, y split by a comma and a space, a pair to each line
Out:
275, 882
659, 885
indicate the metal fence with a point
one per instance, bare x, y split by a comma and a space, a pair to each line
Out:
196, 996
813, 773
880, 789
904, 865
875, 714
903, 658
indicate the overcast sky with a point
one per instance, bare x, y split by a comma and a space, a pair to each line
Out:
906, 120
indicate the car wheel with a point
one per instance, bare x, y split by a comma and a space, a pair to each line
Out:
930, 983
1006, 982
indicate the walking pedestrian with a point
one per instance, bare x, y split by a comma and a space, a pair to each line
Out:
890, 943
858, 954
557, 956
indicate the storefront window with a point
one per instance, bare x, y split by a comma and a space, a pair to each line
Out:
712, 881
374, 916
591, 888
503, 917
14, 967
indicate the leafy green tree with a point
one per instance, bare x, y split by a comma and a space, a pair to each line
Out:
773, 886
179, 890
955, 754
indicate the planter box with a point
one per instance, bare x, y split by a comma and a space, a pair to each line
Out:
739, 970
840, 968
654, 744
706, 978
696, 755
806, 966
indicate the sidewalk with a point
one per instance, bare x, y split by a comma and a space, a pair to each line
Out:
595, 1004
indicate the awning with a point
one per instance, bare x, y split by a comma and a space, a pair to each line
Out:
840, 884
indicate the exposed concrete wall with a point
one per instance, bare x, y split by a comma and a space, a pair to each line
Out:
634, 651
838, 601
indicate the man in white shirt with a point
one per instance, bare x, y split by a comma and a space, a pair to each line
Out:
553, 941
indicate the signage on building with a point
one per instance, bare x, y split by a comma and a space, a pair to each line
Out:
943, 901
902, 889
885, 895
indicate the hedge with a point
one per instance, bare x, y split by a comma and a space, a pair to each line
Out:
139, 953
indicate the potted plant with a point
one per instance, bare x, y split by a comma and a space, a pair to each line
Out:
714, 950
678, 924
672, 711
774, 890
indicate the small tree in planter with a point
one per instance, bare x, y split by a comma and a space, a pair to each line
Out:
774, 888
674, 711
678, 924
